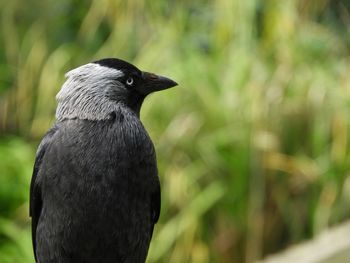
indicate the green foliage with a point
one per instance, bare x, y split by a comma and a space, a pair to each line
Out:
15, 170
15, 167
252, 145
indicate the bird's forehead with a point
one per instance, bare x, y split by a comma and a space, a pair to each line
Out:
118, 64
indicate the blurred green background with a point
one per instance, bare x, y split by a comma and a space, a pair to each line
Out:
253, 145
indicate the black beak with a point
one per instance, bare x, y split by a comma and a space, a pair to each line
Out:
153, 82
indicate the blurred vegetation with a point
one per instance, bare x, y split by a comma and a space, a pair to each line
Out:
253, 146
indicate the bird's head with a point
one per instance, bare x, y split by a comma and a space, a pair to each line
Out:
95, 90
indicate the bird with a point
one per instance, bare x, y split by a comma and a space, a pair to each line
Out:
95, 191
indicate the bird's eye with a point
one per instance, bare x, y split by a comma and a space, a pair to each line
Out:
129, 81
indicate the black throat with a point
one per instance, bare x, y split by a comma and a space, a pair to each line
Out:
134, 102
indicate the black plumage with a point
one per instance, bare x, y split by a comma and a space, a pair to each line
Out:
95, 193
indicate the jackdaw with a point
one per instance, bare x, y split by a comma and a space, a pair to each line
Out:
95, 193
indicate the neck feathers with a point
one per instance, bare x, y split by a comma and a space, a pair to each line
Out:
84, 95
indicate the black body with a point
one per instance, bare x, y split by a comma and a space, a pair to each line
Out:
95, 193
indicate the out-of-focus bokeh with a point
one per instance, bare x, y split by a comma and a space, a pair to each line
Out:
253, 145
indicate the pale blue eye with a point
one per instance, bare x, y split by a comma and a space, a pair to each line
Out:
129, 81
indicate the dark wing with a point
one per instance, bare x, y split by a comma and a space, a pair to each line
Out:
155, 207
35, 201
